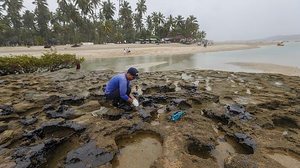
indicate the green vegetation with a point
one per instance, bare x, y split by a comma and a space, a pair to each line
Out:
29, 64
97, 21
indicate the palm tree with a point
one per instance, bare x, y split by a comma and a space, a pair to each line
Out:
161, 18
158, 21
28, 20
69, 16
126, 22
108, 10
179, 25
171, 23
28, 27
149, 24
202, 35
191, 27
62, 12
168, 27
13, 8
179, 20
43, 17
125, 15
78, 20
96, 4
141, 9
85, 6
12, 20
1, 9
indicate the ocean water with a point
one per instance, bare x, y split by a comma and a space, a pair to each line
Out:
288, 55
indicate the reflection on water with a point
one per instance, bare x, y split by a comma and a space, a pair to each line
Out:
287, 55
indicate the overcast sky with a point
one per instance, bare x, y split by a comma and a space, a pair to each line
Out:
228, 19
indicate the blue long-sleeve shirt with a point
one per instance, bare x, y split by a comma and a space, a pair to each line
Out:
118, 82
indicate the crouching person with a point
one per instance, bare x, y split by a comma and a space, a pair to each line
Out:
118, 89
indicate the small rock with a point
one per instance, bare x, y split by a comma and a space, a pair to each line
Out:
9, 117
88, 155
8, 165
28, 120
246, 140
238, 110
145, 115
6, 136
2, 81
146, 102
239, 161
48, 107
52, 99
63, 111
284, 133
90, 106
56, 123
154, 123
100, 112
112, 114
3, 127
34, 156
23, 107
73, 100
6, 110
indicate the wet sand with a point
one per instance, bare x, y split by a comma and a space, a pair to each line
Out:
117, 50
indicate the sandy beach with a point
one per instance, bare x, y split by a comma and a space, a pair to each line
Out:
117, 50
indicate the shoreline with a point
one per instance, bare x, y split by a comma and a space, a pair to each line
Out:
91, 52
269, 68
116, 50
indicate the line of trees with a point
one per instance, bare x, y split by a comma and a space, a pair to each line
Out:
77, 21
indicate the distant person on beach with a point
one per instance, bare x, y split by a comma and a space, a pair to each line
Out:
128, 50
118, 89
77, 63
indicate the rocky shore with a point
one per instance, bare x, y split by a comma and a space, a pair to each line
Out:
61, 119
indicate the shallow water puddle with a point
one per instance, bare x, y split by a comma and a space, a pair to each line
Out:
56, 158
138, 151
227, 146
286, 161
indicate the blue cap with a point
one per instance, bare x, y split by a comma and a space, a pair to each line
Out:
134, 72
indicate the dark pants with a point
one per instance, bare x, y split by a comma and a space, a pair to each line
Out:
115, 97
